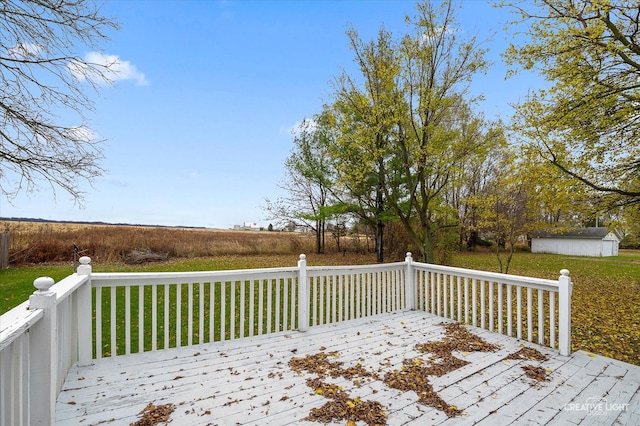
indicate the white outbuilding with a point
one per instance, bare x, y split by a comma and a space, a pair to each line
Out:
595, 242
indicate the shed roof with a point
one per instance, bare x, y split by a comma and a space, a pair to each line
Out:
589, 232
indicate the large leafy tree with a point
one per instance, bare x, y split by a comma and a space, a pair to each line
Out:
437, 66
406, 123
587, 123
366, 113
44, 134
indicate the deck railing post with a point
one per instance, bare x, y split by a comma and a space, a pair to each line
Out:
564, 306
43, 362
410, 283
303, 295
85, 339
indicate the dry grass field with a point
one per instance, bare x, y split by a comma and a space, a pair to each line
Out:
44, 242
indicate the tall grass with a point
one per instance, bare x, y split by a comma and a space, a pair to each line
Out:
34, 243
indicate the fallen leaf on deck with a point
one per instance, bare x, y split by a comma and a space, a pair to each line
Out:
155, 415
536, 373
528, 354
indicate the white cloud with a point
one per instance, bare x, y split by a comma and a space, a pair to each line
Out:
430, 36
114, 70
307, 124
84, 133
113, 181
24, 51
285, 130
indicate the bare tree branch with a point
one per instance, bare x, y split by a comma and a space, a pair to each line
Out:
44, 134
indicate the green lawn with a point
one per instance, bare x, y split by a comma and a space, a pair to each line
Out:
16, 284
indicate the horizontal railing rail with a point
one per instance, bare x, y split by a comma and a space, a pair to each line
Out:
92, 315
16, 323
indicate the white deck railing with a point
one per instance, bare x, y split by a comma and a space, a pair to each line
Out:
39, 341
523, 307
92, 315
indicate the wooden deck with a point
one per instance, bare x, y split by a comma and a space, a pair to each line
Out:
251, 382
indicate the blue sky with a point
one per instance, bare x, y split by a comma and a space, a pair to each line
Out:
199, 124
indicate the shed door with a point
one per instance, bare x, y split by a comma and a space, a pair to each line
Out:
607, 248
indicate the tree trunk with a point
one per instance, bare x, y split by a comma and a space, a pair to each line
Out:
380, 242
474, 237
379, 226
427, 246
318, 237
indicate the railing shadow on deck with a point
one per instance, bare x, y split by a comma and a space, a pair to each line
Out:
88, 316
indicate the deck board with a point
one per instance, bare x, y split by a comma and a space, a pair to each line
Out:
249, 381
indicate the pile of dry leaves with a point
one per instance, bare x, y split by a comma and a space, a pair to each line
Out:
413, 376
155, 414
341, 405
537, 373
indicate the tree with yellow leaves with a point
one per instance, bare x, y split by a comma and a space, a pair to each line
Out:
404, 123
588, 122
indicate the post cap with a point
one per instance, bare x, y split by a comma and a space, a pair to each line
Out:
85, 260
564, 272
43, 284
